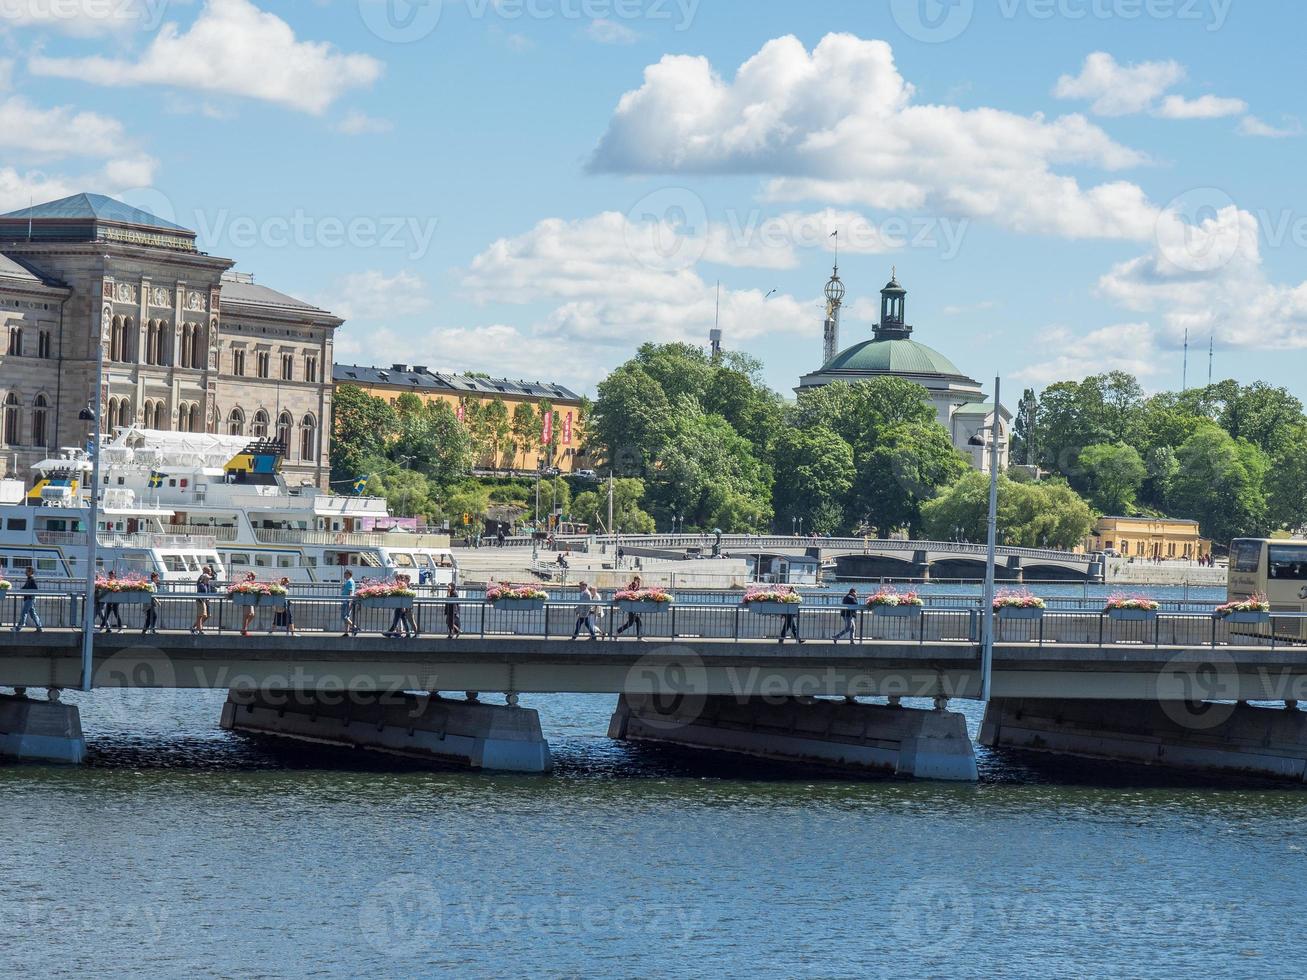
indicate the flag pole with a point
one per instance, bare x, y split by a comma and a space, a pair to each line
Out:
991, 542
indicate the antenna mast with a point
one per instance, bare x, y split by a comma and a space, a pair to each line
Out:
1184, 376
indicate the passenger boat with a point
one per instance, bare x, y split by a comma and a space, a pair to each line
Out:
171, 502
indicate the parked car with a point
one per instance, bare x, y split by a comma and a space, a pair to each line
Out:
587, 475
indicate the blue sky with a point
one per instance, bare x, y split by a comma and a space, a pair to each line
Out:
533, 187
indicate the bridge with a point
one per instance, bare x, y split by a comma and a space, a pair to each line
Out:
864, 558
1170, 691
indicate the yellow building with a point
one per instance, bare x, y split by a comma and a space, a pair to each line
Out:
1149, 537
467, 394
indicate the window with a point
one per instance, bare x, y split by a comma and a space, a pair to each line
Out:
236, 422
287, 367
196, 420
199, 349
151, 341
16, 524
311, 369
1287, 562
238, 363
39, 411
284, 424
260, 424
16, 342
12, 434
308, 438
44, 346
261, 362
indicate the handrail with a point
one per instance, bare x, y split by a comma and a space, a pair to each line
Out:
357, 539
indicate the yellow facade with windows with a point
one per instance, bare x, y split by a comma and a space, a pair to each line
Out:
1160, 538
462, 391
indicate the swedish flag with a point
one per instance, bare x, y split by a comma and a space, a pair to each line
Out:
360, 486
156, 479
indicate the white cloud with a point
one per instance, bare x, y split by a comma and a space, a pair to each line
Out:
1207, 277
1252, 126
83, 17
611, 281
372, 295
60, 131
1118, 90
961, 308
839, 125
1130, 347
355, 123
236, 48
1203, 107
606, 31
1123, 90
6, 73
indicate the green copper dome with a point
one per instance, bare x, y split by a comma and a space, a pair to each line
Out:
892, 357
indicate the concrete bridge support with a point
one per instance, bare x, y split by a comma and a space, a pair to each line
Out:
40, 731
465, 733
1219, 737
862, 738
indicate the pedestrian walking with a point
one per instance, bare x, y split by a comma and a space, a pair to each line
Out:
403, 617
633, 619
284, 619
108, 608
152, 608
347, 588
850, 614
250, 609
204, 588
585, 612
790, 627
29, 604
452, 626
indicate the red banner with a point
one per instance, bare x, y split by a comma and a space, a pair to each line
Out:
547, 429
567, 429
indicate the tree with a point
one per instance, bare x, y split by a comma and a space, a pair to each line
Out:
629, 424
703, 459
496, 425
1047, 514
525, 427
591, 508
858, 412
472, 499
361, 427
1287, 482
431, 440
1267, 417
1025, 430
1114, 473
814, 473
908, 466
1220, 482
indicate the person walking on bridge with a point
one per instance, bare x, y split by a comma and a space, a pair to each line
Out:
850, 614
347, 603
633, 619
452, 627
585, 613
29, 604
204, 588
152, 607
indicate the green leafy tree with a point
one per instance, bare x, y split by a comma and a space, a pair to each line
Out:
814, 474
857, 413
1046, 514
497, 427
591, 507
1025, 430
1287, 482
432, 441
909, 465
361, 427
630, 421
470, 498
1220, 482
525, 426
1114, 473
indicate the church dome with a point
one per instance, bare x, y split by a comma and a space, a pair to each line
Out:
892, 357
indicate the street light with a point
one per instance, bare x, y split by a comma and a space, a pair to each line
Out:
92, 414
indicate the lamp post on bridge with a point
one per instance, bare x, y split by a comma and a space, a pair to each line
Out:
991, 536
93, 413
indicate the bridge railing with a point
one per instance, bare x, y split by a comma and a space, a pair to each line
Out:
561, 619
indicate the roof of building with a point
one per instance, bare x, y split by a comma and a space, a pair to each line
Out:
892, 357
421, 379
246, 292
12, 269
92, 207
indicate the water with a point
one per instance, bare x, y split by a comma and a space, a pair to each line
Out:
184, 850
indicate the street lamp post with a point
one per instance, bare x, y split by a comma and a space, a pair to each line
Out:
94, 412
991, 537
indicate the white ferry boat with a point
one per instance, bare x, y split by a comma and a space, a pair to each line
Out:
173, 501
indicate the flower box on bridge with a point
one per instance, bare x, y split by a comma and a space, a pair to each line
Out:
124, 597
642, 607
254, 599
765, 607
1132, 615
518, 605
1019, 612
1247, 617
896, 612
386, 601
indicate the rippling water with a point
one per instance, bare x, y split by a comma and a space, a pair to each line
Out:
181, 849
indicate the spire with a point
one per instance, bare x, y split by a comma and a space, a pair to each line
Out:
892, 324
834, 300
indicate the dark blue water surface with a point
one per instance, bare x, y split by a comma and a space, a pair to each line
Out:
181, 850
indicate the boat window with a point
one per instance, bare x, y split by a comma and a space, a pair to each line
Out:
369, 559
22, 563
46, 565
192, 563
402, 560
238, 559
16, 524
285, 561
262, 561
4, 561
173, 563
1287, 563
311, 561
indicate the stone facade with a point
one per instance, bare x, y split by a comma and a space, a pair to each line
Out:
170, 319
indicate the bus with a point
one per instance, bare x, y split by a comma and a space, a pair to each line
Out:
1276, 569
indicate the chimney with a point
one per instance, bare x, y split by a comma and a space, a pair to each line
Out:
399, 368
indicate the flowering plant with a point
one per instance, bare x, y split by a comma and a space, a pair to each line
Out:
786, 595
888, 597
1256, 603
127, 583
256, 588
497, 592
1140, 602
385, 590
642, 595
1018, 599
5, 584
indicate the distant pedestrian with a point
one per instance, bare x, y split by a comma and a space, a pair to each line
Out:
250, 609
283, 618
347, 588
403, 617
585, 612
29, 604
204, 588
152, 609
850, 615
108, 608
500, 536
633, 619
790, 627
452, 626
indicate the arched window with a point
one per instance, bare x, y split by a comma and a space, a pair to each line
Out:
151, 341
284, 424
196, 423
308, 439
184, 417
124, 415
116, 339
127, 341
12, 434
236, 422
260, 430
39, 409
199, 349
188, 335
163, 355
16, 342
